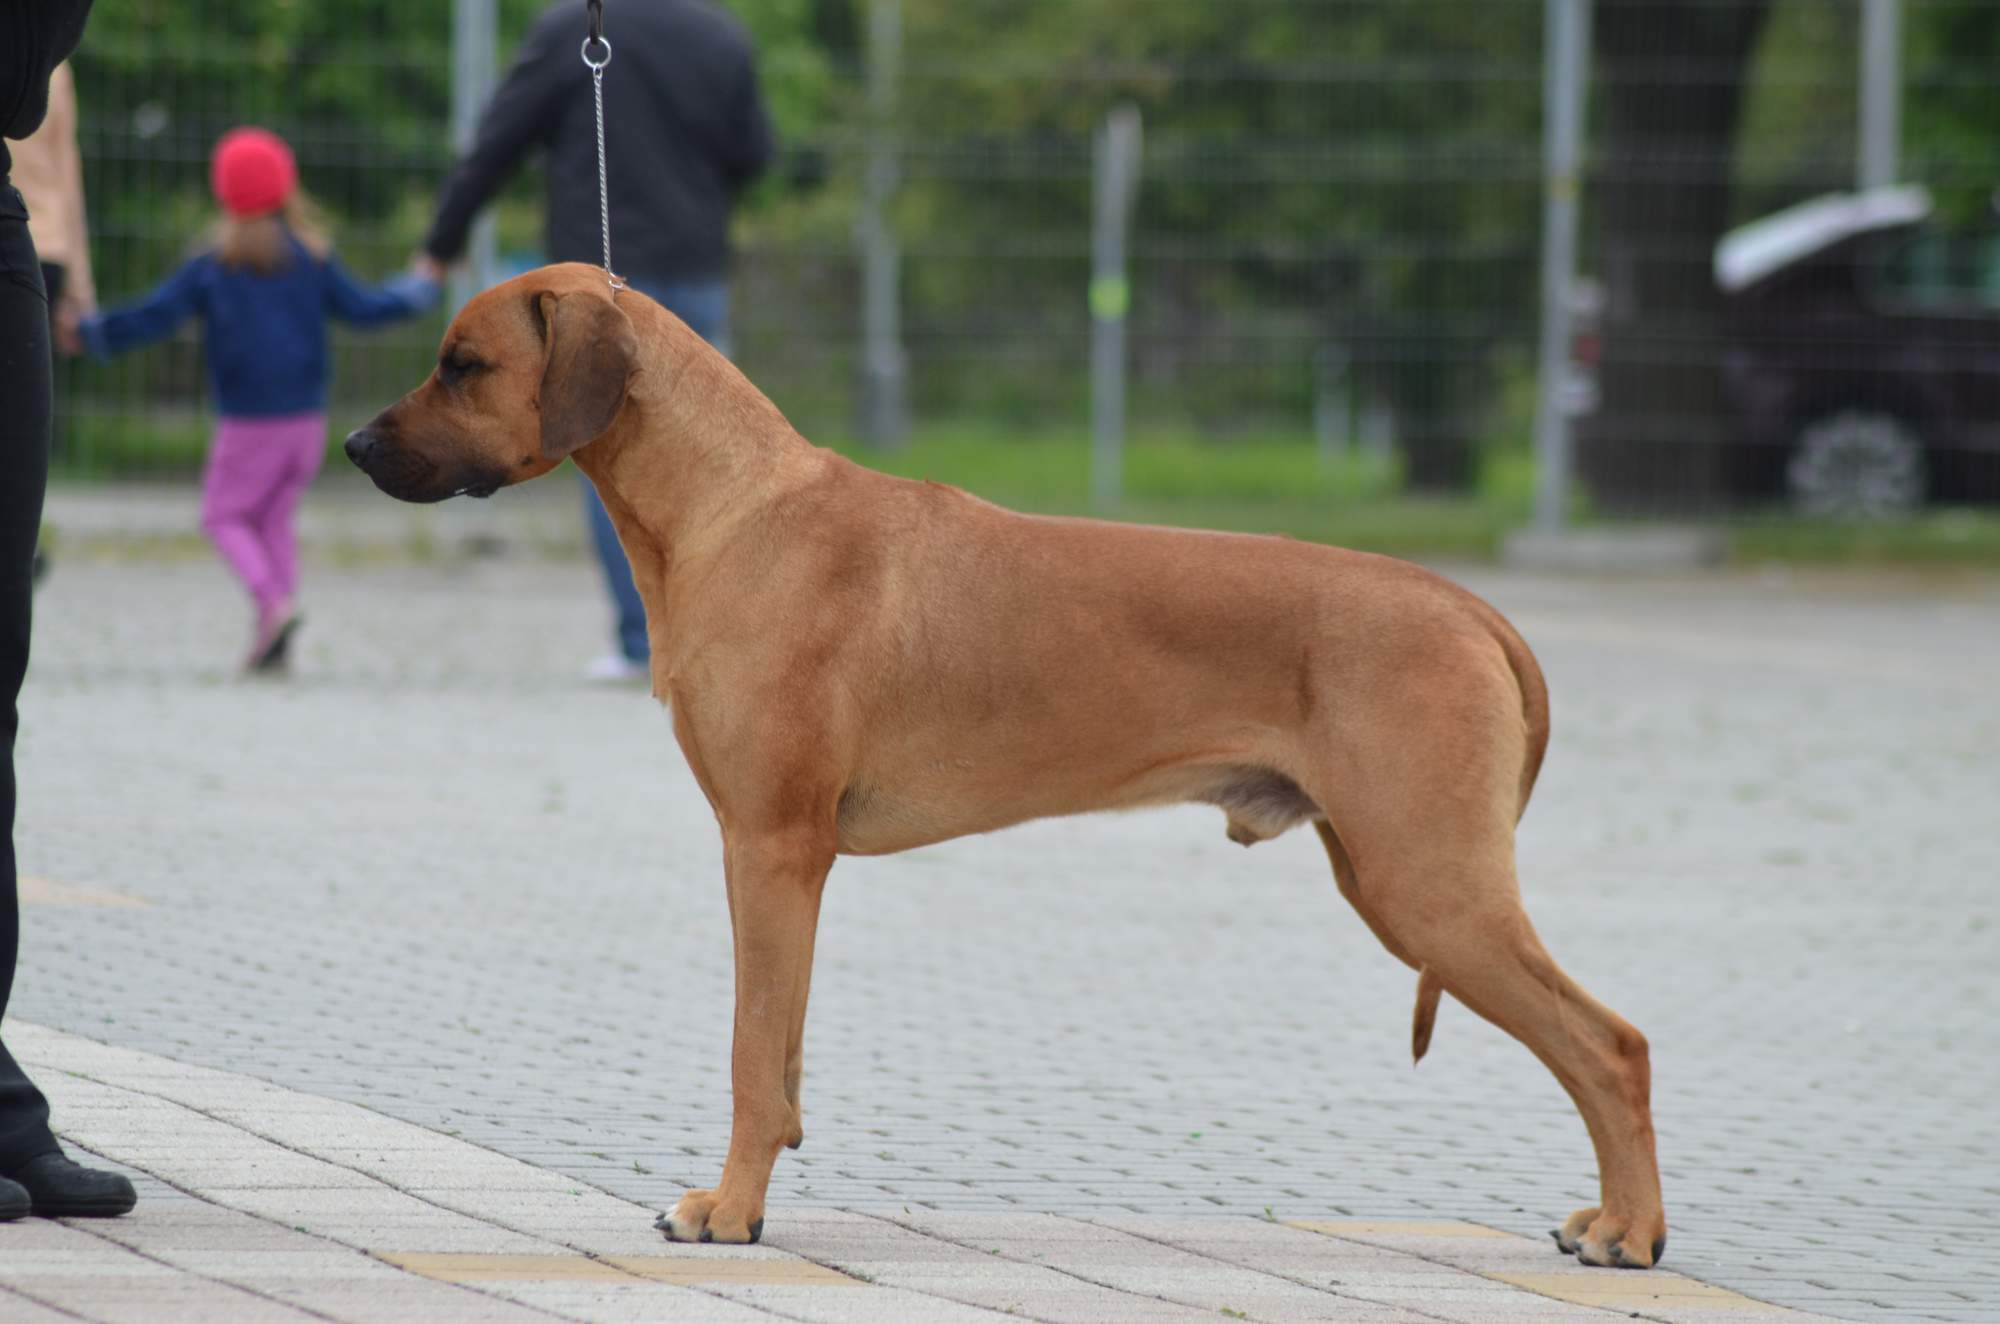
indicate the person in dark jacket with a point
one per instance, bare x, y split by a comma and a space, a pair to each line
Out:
264, 289
685, 132
35, 36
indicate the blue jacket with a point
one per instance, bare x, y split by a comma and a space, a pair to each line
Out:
264, 336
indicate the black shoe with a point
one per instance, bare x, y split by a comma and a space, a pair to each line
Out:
279, 655
60, 1188
276, 653
14, 1201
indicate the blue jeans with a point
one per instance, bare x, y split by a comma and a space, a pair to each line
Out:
704, 306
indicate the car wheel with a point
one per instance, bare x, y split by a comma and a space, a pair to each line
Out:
1857, 464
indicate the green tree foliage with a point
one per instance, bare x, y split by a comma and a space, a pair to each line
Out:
1356, 173
1952, 110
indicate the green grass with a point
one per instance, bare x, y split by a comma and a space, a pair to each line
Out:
1953, 536
1252, 484
122, 445
1256, 484
166, 445
1280, 485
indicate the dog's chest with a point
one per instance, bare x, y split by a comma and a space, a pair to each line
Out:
874, 819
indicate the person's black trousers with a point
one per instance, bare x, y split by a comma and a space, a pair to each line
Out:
24, 471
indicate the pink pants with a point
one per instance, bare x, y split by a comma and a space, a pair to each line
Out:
257, 470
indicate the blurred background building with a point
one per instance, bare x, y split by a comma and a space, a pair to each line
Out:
1331, 285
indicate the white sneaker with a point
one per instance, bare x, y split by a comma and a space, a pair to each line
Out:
616, 669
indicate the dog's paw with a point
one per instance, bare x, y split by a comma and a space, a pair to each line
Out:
1606, 1240
688, 1219
1570, 1235
701, 1216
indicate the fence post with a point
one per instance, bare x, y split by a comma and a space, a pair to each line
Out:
1333, 407
1377, 426
884, 418
1881, 92
1564, 80
474, 44
1115, 179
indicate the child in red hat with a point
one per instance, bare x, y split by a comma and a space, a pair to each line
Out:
264, 288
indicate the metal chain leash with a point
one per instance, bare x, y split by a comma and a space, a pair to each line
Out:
597, 40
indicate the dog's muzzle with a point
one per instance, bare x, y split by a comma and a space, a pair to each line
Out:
362, 445
401, 473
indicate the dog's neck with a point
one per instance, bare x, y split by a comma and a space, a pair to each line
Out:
696, 449
695, 455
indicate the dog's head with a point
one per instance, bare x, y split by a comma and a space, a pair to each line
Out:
528, 372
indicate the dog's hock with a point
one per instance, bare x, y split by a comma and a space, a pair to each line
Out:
591, 354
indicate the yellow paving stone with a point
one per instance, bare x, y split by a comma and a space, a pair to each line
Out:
1396, 1228
474, 1268
48, 892
1616, 1289
681, 1269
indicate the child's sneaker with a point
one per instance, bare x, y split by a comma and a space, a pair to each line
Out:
617, 669
271, 652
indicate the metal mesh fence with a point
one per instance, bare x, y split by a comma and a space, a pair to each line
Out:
361, 91
1335, 246
1761, 335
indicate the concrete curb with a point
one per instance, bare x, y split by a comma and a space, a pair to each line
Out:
1643, 549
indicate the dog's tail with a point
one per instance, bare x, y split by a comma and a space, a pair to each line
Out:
1429, 990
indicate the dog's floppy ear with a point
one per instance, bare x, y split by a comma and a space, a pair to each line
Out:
590, 356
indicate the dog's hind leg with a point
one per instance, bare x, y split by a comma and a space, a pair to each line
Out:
1456, 914
1421, 818
775, 882
1428, 987
1350, 888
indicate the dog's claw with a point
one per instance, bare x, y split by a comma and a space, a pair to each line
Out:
1616, 1257
1624, 1260
1595, 1237
1613, 1256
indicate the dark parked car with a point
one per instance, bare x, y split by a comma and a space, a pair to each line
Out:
1862, 359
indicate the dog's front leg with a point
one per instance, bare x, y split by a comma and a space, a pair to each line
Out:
775, 881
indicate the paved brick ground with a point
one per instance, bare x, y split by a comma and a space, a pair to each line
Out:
434, 874
262, 1203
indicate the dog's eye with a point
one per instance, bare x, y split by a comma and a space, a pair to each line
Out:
457, 366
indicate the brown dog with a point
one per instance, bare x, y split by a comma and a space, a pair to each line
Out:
863, 664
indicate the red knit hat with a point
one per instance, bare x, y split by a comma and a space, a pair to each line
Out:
252, 172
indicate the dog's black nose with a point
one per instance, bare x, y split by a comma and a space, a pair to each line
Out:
360, 443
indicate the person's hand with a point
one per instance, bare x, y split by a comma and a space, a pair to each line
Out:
68, 316
425, 267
